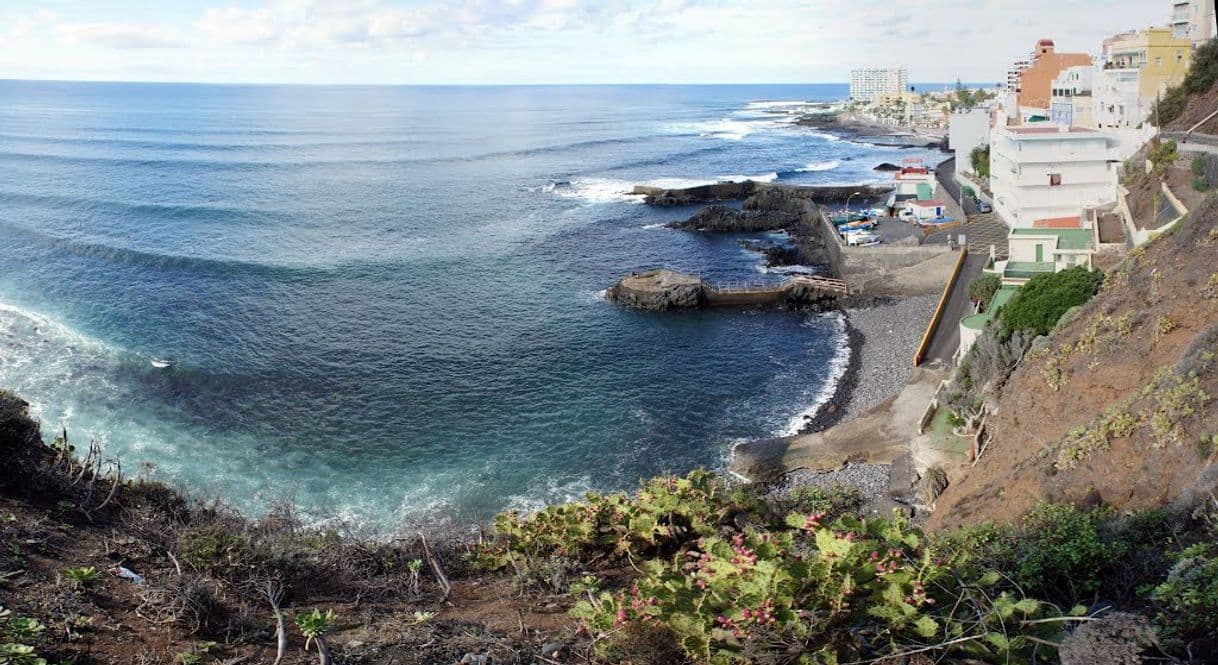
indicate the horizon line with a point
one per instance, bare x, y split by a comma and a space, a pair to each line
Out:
4, 79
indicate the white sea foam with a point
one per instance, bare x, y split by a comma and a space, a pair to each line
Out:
598, 190
728, 128
776, 103
828, 137
764, 177
789, 270
821, 166
837, 369
551, 492
651, 227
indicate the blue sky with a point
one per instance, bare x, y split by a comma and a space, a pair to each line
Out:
543, 41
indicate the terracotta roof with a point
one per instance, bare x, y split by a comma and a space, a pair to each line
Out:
1058, 223
929, 203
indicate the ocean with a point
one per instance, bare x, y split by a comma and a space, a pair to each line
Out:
384, 303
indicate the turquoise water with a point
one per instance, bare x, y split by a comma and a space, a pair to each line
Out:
384, 302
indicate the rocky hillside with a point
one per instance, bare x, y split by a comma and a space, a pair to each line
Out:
1197, 97
1118, 406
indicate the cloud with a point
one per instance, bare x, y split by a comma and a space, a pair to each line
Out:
121, 35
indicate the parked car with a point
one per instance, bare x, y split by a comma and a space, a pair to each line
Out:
862, 238
982, 206
907, 215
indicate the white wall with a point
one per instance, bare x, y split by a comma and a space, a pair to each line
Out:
1020, 170
968, 130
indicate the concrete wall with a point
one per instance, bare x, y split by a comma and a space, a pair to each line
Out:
968, 130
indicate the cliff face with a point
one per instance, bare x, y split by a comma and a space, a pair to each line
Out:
1121, 406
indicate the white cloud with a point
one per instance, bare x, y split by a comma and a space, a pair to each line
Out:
120, 35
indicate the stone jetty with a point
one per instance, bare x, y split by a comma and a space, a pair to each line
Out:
663, 290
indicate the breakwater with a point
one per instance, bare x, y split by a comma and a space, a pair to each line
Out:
662, 290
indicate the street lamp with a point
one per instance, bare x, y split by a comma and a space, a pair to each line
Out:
850, 197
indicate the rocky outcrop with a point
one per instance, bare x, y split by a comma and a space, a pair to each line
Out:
658, 291
776, 255
725, 219
735, 191
780, 199
723, 191
887, 167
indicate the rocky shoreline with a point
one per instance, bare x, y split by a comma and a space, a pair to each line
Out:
881, 340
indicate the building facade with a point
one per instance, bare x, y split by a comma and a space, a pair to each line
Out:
1193, 20
1048, 171
1137, 68
870, 84
1036, 82
1071, 104
967, 131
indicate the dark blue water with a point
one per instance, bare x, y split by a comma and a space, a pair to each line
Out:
383, 301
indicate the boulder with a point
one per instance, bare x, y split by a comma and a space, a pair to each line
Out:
658, 291
887, 167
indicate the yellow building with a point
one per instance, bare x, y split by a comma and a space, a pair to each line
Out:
1160, 59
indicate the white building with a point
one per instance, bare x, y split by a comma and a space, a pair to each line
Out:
1193, 20
1045, 171
1118, 101
869, 84
1071, 101
968, 130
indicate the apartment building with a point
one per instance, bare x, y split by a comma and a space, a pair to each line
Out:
1041, 171
870, 84
1193, 20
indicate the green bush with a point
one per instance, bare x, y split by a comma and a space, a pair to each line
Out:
1199, 166
1201, 184
1188, 599
1045, 298
982, 289
1062, 554
1163, 155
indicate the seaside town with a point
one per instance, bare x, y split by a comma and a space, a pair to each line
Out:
1000, 314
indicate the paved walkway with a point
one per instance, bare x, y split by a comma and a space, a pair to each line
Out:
980, 232
946, 174
947, 336
879, 436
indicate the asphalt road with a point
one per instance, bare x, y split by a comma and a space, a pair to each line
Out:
946, 173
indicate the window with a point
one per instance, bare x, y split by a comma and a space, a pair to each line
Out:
1158, 61
1055, 179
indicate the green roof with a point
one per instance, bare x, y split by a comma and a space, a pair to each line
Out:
925, 193
1066, 238
1027, 269
1002, 297
975, 321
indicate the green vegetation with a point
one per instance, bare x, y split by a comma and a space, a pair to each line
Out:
1202, 75
733, 581
17, 635
1189, 597
315, 626
979, 159
81, 577
1045, 298
1162, 156
982, 289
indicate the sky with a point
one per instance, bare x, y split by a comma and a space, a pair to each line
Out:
543, 41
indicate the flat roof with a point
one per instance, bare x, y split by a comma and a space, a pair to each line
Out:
1075, 222
929, 203
1066, 238
1051, 130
